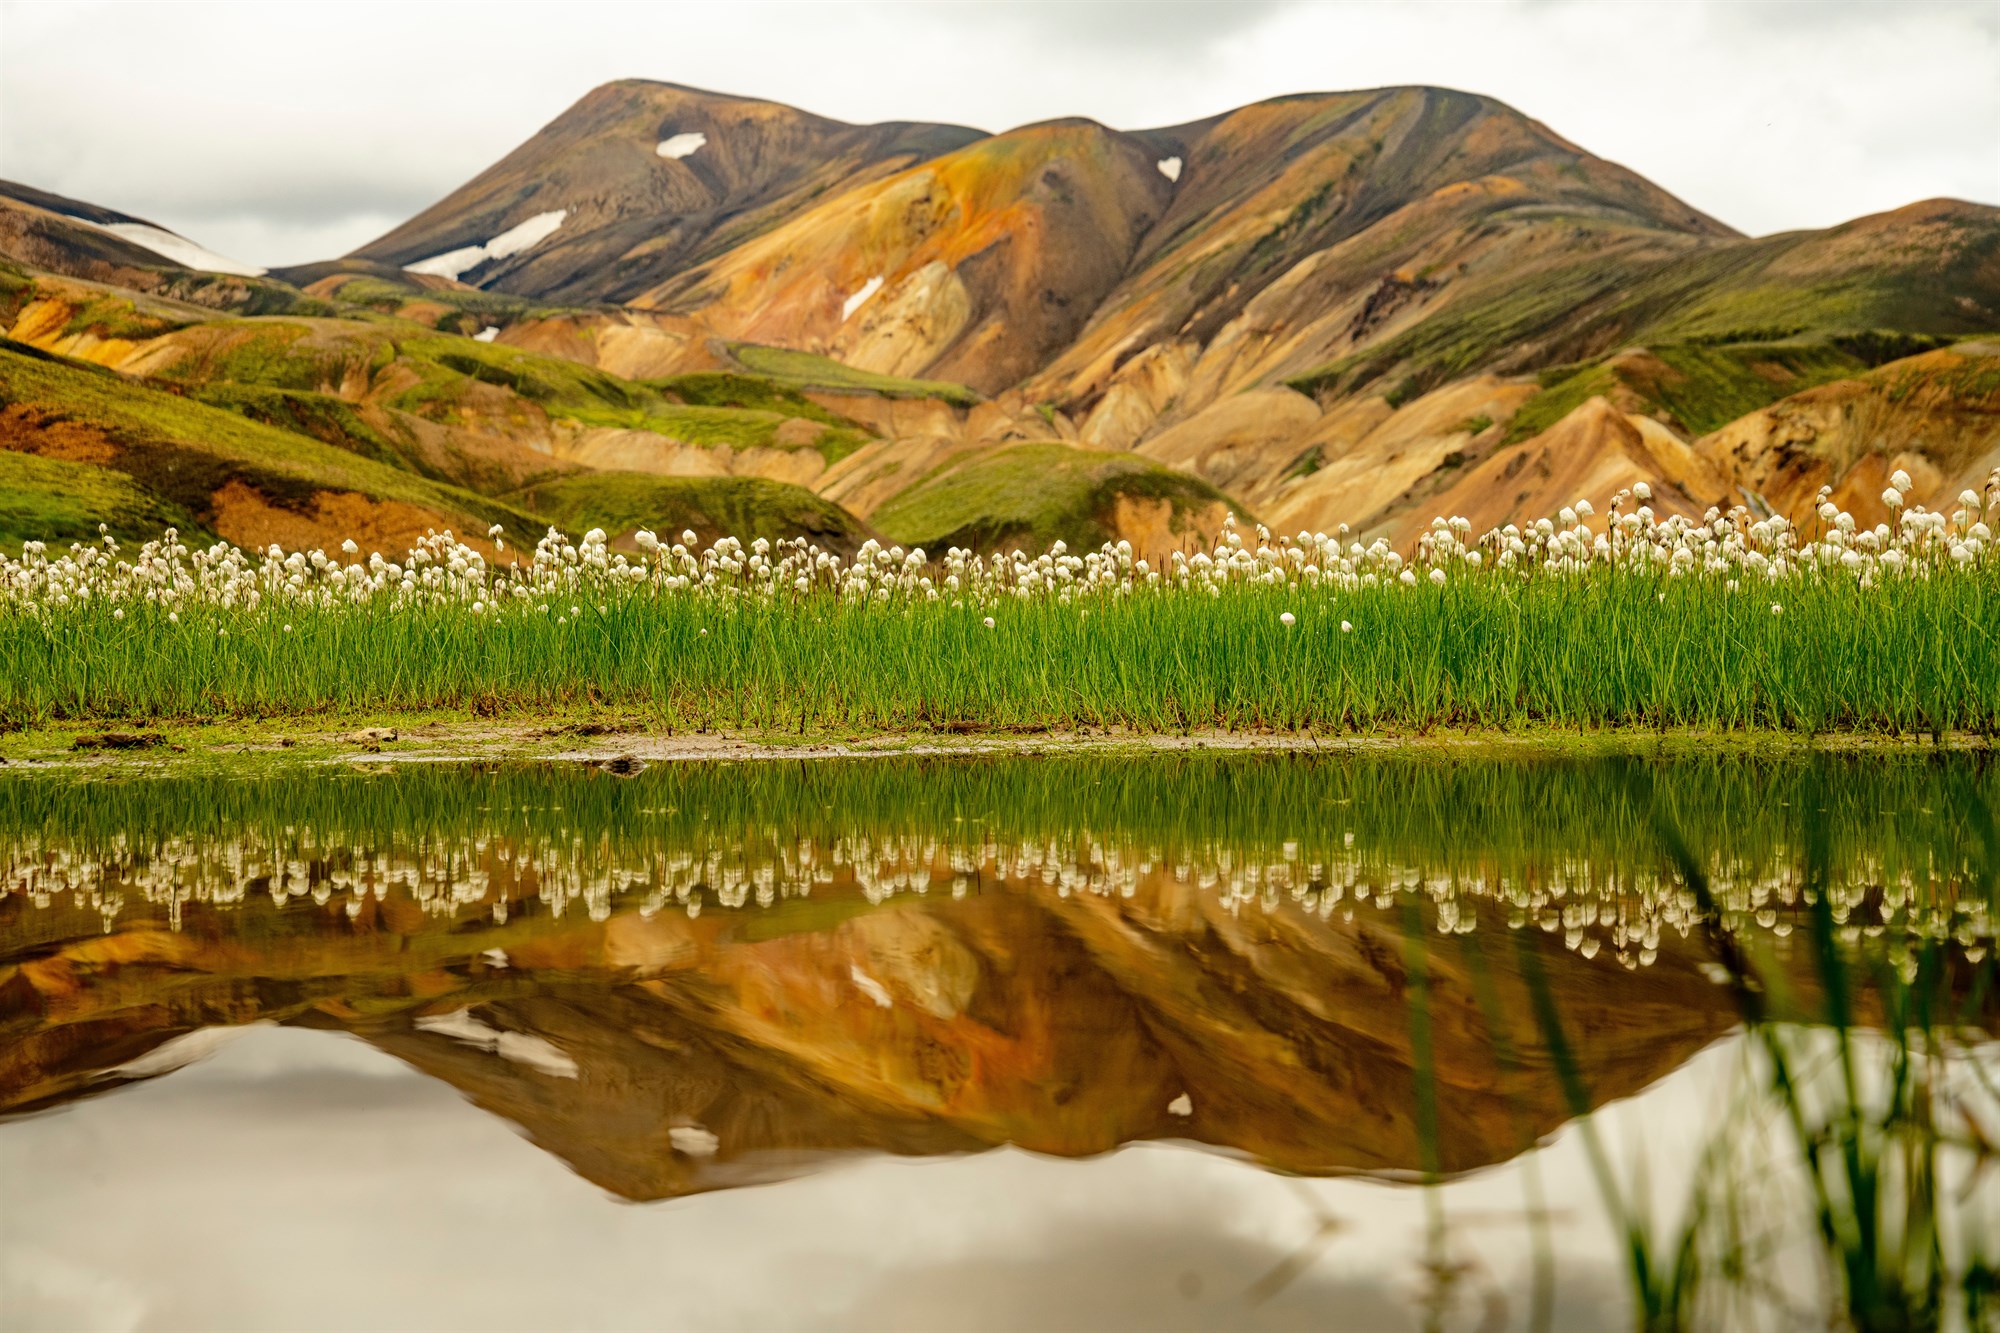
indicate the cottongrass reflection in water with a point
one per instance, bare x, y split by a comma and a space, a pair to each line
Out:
1410, 968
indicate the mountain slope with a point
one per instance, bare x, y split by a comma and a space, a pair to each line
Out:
975, 267
649, 178
211, 471
1362, 307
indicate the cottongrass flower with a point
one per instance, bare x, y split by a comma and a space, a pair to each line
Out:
988, 622
1287, 619
1346, 627
1777, 609
441, 573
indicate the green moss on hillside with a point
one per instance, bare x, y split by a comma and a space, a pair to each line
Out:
804, 370
721, 388
1031, 495
325, 418
1694, 388
179, 452
58, 502
741, 507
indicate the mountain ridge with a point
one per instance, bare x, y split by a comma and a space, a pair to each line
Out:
1321, 308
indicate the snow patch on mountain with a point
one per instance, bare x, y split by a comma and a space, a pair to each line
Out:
522, 1048
487, 334
1170, 167
515, 240
179, 249
681, 145
860, 298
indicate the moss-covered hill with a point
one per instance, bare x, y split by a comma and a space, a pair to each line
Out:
1029, 496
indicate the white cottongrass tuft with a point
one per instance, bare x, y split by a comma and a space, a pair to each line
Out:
1346, 627
1738, 547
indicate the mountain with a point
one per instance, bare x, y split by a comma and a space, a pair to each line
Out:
639, 180
1362, 308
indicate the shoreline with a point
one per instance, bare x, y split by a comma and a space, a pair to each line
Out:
132, 746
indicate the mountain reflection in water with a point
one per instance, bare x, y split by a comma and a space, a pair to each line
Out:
709, 976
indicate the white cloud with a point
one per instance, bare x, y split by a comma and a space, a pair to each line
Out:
1768, 116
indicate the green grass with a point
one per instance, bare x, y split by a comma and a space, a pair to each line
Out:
744, 507
1030, 496
805, 370
1564, 654
1864, 1101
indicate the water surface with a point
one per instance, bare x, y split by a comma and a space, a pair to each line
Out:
1189, 1040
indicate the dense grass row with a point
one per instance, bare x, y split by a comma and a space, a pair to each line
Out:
1610, 650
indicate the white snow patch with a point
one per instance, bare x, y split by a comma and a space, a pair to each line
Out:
177, 248
1181, 1105
870, 987
449, 264
487, 335
497, 958
1170, 167
513, 241
522, 1048
693, 1140
681, 145
860, 298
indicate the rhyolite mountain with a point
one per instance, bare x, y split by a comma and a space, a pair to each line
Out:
672, 306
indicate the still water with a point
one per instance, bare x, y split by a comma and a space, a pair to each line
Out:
1194, 1040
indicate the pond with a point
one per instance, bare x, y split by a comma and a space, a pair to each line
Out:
1371, 1039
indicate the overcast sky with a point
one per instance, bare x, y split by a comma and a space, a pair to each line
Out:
279, 133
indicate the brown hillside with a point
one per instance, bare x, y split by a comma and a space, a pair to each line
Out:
635, 217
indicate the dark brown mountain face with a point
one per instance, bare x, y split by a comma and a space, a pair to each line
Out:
651, 178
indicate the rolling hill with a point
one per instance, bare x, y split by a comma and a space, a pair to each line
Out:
1362, 307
